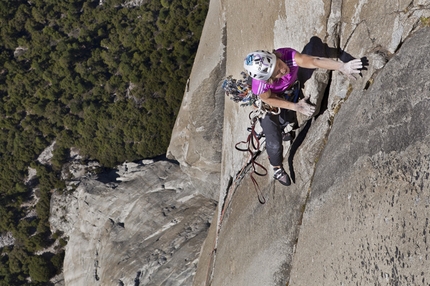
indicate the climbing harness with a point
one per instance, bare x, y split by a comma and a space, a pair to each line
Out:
293, 92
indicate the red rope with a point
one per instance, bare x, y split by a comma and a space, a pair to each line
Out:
253, 148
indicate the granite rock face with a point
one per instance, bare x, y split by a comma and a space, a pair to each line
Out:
141, 225
6, 239
197, 135
367, 218
331, 226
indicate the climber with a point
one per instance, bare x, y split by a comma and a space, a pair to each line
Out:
273, 73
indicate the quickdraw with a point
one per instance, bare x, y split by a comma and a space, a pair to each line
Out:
239, 90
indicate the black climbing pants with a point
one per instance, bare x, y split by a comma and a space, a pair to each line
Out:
273, 125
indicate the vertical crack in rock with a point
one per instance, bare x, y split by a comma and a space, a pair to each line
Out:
96, 265
137, 279
334, 21
350, 36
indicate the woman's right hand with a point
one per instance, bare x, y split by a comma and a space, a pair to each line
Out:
301, 106
305, 108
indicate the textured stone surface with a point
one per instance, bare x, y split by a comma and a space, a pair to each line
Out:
257, 244
196, 141
143, 225
367, 219
6, 239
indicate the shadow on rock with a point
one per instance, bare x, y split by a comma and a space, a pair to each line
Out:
317, 48
295, 145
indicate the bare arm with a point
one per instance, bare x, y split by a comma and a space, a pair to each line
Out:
310, 62
349, 69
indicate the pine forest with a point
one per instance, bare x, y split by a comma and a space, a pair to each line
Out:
105, 77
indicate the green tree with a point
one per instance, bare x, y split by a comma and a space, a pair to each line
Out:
57, 262
39, 269
18, 260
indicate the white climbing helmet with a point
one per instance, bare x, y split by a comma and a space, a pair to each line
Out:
260, 64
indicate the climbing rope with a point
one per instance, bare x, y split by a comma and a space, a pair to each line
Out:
252, 144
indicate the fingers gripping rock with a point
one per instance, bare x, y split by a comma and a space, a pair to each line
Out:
304, 107
352, 67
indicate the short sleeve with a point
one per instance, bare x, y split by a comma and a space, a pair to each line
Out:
259, 86
287, 55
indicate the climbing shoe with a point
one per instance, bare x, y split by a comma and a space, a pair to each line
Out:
281, 176
289, 136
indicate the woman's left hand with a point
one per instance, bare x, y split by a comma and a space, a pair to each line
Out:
350, 68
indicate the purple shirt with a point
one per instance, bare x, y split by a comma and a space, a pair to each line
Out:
280, 85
